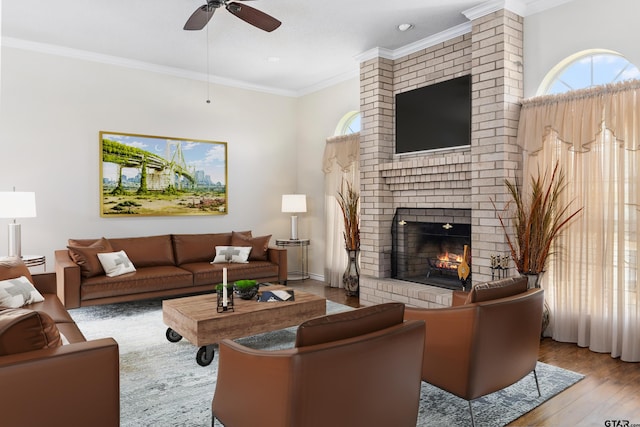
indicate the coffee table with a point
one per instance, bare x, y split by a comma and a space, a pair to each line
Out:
196, 318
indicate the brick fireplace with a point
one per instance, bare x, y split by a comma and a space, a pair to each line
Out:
490, 49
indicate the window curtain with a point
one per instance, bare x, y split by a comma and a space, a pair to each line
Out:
340, 162
591, 282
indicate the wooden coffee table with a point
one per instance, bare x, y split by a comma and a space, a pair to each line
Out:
196, 318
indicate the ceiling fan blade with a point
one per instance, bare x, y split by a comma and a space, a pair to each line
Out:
199, 18
254, 16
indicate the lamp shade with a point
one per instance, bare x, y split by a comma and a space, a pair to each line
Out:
17, 204
294, 203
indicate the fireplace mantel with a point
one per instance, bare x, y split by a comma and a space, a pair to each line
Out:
441, 179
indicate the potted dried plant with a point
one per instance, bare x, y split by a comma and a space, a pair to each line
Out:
246, 289
537, 218
349, 199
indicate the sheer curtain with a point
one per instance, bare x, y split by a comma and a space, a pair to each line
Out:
340, 161
591, 282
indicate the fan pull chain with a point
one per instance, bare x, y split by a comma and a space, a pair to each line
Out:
208, 82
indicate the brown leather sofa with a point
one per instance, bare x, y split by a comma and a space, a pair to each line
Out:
485, 344
354, 369
166, 265
45, 382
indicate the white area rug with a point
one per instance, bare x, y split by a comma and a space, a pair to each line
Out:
161, 384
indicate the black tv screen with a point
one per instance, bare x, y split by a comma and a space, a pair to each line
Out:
434, 116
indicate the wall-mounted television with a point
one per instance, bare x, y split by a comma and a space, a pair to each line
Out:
434, 116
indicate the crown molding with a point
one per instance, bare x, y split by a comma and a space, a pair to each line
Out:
520, 7
332, 81
425, 43
50, 49
376, 52
443, 36
137, 65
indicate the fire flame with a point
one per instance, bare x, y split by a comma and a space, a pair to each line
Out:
449, 261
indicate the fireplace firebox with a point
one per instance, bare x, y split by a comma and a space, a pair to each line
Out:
429, 246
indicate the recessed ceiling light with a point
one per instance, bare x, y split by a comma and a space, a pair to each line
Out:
273, 59
405, 27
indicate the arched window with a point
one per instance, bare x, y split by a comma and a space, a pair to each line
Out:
340, 163
349, 123
588, 68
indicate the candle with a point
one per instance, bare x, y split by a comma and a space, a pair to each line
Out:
224, 287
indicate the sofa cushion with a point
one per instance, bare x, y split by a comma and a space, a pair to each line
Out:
144, 280
24, 330
116, 263
146, 251
205, 273
349, 324
85, 253
198, 247
190, 248
13, 267
17, 292
259, 245
497, 289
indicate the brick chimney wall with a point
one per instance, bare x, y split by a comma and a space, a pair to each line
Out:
461, 178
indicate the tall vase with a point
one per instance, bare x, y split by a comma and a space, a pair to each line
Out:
351, 276
534, 280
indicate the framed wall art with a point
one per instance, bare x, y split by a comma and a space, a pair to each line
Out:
161, 176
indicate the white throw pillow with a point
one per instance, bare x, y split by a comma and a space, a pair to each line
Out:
227, 254
14, 293
116, 263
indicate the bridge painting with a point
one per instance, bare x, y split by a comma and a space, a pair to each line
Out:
157, 176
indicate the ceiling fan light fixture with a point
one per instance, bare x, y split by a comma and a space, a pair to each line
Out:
405, 27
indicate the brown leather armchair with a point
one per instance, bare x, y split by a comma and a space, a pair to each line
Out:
76, 384
354, 369
481, 347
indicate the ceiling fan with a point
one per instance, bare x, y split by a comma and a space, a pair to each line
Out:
199, 19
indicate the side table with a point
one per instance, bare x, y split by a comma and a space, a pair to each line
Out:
303, 245
35, 260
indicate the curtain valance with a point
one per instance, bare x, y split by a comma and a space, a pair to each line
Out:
343, 150
578, 117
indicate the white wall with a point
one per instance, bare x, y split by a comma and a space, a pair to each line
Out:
317, 118
0, 51
53, 109
553, 35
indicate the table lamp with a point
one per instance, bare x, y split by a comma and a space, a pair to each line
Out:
294, 203
16, 204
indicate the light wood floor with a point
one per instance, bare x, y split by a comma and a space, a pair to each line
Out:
609, 391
